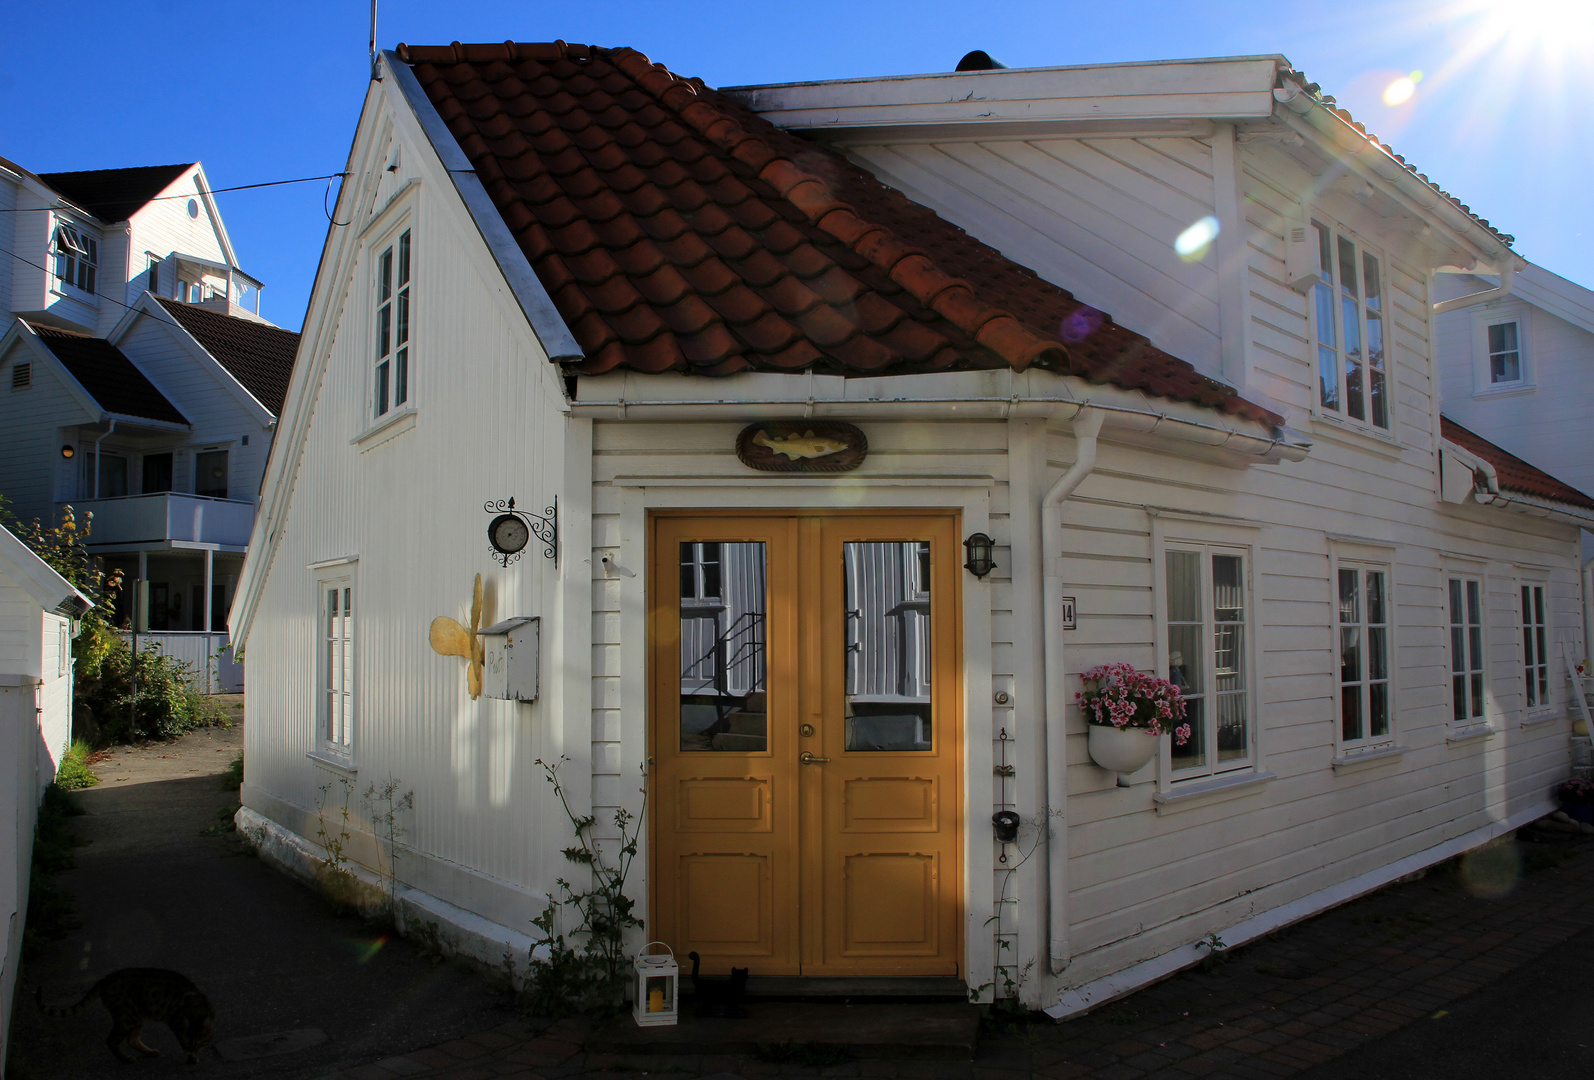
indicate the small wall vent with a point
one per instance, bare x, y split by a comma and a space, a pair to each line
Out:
21, 376
980, 60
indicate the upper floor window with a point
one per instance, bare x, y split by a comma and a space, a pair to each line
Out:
1352, 370
392, 383
210, 474
77, 257
1207, 601
104, 475
1505, 352
154, 282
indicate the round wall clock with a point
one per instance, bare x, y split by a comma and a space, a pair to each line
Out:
508, 534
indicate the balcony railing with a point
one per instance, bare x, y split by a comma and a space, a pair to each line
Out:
168, 515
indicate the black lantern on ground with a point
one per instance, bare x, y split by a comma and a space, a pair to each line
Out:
979, 546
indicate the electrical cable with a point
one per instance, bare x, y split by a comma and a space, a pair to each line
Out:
209, 191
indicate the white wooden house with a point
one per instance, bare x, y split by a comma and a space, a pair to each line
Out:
38, 619
572, 278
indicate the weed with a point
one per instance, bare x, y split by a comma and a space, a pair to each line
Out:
384, 806
224, 822
589, 970
74, 773
1217, 952
337, 881
1122, 1015
233, 778
51, 913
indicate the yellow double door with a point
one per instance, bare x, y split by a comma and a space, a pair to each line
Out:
805, 730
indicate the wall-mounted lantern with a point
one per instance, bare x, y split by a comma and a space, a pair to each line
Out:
68, 452
1006, 823
656, 999
980, 548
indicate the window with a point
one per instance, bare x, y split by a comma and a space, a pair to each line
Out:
77, 257
157, 473
1352, 372
1465, 604
1505, 352
1535, 649
1364, 650
335, 687
109, 480
392, 384
210, 474
154, 283
1206, 648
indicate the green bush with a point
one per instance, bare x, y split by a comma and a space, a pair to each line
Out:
233, 778
74, 771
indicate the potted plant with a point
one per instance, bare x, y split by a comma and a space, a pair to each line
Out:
1128, 711
1577, 799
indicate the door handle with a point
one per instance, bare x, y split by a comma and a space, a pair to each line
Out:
807, 758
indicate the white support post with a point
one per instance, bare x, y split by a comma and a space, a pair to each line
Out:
205, 624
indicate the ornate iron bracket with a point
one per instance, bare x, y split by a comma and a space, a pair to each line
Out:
544, 527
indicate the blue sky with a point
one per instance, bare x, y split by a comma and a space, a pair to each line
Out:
1500, 117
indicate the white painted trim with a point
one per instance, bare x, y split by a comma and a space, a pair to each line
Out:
1348, 763
1082, 999
382, 423
1204, 792
327, 564
804, 480
1472, 734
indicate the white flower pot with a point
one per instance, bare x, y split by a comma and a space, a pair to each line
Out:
1121, 750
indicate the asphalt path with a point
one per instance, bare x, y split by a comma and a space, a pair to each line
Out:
299, 991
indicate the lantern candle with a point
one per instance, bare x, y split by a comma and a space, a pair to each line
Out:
656, 1000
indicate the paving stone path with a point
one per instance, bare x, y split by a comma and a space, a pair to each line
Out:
1279, 1007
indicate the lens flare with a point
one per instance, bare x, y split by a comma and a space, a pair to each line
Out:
1491, 871
1080, 324
1193, 244
1399, 92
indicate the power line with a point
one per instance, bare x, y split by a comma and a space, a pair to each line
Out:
210, 191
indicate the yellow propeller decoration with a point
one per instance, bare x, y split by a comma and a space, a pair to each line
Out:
451, 639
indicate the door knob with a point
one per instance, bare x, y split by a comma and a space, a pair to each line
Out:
807, 758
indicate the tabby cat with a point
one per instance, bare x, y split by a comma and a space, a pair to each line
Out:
135, 996
719, 997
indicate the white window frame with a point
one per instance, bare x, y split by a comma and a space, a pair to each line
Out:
336, 689
1330, 334
1364, 560
1537, 651
392, 387
77, 258
1475, 666
1174, 531
1482, 369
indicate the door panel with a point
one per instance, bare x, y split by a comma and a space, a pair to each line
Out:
806, 736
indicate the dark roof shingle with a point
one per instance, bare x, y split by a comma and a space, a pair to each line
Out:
114, 194
258, 356
1513, 473
110, 378
675, 230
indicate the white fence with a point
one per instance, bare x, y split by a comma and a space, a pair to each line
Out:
208, 654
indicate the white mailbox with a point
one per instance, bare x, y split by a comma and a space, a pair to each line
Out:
509, 661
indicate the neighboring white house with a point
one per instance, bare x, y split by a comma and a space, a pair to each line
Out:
38, 619
160, 431
85, 245
755, 365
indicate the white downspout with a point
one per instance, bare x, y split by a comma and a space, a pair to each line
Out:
1087, 426
1499, 292
95, 493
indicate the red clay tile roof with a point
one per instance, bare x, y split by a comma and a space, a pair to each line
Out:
110, 377
114, 194
677, 231
257, 355
1513, 473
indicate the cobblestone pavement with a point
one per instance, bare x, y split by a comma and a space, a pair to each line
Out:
1277, 1007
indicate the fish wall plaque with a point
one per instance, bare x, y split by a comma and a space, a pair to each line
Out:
805, 446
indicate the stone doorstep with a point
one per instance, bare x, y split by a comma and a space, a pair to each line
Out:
931, 1031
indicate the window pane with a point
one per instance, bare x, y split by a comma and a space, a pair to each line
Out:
381, 389
384, 330
1349, 597
1325, 260
404, 259
1184, 659
1477, 695
1378, 710
402, 333
1232, 740
1184, 586
723, 695
1527, 627
1503, 337
1352, 329
1350, 713
210, 474
401, 377
384, 276
1455, 601
887, 646
1347, 267
1458, 648
1538, 607
1377, 653
1193, 753
1474, 604
157, 473
1375, 341
1350, 655
1458, 697
1327, 350
1228, 604
1375, 597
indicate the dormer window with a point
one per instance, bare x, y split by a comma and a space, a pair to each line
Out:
77, 257
1505, 353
